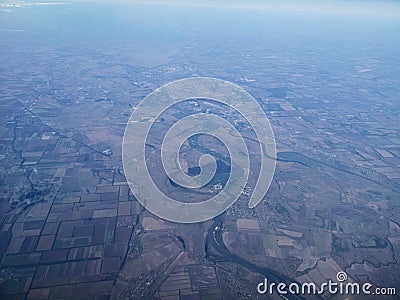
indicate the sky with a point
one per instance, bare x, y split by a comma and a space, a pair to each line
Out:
388, 8
366, 7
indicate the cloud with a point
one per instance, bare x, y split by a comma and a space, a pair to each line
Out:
22, 4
